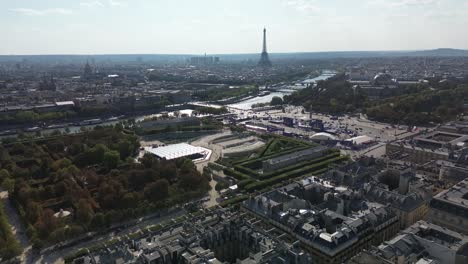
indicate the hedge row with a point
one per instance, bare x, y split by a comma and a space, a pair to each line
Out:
284, 143
235, 174
215, 166
234, 200
252, 164
271, 142
299, 165
272, 147
292, 174
263, 155
254, 174
243, 183
246, 171
258, 161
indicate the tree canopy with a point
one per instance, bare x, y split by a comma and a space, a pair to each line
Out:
334, 95
93, 176
416, 105
420, 108
276, 100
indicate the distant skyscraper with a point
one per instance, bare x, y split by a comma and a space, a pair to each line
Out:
264, 59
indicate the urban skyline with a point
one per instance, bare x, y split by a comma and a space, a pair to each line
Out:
234, 131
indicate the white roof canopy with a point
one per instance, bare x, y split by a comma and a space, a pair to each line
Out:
177, 151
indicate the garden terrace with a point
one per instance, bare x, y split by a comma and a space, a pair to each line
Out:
249, 171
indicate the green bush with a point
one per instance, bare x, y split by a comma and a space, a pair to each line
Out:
221, 186
243, 183
299, 165
253, 174
234, 200
246, 171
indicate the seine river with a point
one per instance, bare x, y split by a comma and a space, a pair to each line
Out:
247, 104
244, 105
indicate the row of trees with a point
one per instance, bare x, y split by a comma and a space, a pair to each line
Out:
9, 246
211, 111
23, 117
216, 94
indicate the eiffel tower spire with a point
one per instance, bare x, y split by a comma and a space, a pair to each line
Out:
264, 59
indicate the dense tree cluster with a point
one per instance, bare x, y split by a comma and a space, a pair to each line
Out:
421, 108
276, 100
94, 176
334, 95
211, 110
413, 105
23, 117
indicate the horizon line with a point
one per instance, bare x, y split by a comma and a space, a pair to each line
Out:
221, 54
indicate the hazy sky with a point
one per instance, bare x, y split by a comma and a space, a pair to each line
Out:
229, 26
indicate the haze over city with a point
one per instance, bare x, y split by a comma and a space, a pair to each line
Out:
220, 27
234, 131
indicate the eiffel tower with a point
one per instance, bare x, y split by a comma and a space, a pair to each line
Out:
264, 59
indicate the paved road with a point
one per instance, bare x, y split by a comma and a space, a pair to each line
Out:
215, 155
378, 150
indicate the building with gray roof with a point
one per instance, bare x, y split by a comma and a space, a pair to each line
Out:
447, 143
332, 222
220, 236
449, 208
422, 242
395, 188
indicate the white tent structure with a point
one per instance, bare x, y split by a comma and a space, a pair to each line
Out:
176, 151
360, 140
323, 136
